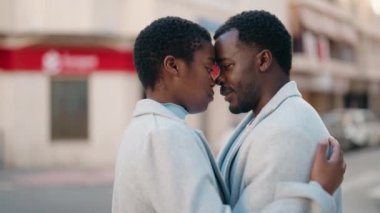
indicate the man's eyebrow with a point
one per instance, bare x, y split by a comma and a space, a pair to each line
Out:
218, 60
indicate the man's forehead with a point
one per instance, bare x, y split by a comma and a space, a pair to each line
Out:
225, 55
228, 38
226, 49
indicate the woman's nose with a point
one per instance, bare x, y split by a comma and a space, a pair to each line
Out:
219, 79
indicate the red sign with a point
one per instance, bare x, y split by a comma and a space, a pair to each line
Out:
66, 60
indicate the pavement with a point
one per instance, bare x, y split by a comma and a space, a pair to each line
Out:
90, 190
375, 194
14, 179
361, 185
56, 190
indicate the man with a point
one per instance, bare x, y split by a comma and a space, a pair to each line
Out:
164, 165
274, 145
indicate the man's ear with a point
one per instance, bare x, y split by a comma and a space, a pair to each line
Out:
170, 65
264, 60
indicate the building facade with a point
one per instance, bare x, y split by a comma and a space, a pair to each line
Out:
68, 85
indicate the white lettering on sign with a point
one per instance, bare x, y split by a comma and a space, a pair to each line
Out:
51, 62
54, 62
79, 62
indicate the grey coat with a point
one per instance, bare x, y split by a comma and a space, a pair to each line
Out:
164, 165
270, 156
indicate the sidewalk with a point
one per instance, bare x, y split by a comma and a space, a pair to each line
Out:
375, 194
11, 179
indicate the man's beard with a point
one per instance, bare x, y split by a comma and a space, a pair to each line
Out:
242, 107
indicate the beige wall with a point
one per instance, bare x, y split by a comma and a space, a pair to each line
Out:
26, 123
54, 16
191, 9
218, 10
116, 17
280, 8
24, 97
111, 17
216, 122
112, 100
219, 121
371, 58
135, 15
7, 15
2, 91
374, 97
2, 112
25, 118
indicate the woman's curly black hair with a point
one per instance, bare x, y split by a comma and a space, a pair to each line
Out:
264, 31
166, 36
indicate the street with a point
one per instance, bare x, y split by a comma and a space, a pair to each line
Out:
77, 191
361, 186
74, 191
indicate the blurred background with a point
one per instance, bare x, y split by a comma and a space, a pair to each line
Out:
68, 87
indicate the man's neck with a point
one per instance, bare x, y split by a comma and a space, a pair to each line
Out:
269, 91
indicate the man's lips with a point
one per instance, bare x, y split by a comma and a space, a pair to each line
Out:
225, 91
211, 94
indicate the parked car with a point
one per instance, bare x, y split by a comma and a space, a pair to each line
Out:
353, 127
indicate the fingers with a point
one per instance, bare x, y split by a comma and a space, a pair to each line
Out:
344, 167
321, 150
337, 153
329, 173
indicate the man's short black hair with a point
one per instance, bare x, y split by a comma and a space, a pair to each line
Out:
166, 36
263, 30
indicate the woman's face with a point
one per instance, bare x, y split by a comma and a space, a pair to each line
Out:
196, 86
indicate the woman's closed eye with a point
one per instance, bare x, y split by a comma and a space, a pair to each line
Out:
209, 69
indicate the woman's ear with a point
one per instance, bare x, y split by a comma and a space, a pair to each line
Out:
264, 60
170, 65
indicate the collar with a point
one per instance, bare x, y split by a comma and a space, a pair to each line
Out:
178, 110
288, 90
149, 106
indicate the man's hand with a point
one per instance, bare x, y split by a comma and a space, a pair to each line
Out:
328, 172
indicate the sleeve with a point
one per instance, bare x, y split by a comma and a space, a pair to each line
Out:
178, 175
277, 175
312, 191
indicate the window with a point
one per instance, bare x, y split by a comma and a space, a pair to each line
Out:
356, 100
309, 44
69, 108
298, 44
342, 51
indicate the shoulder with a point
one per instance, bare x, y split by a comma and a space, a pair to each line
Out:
295, 118
153, 124
296, 109
151, 133
279, 138
154, 137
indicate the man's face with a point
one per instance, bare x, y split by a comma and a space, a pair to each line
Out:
196, 90
238, 72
